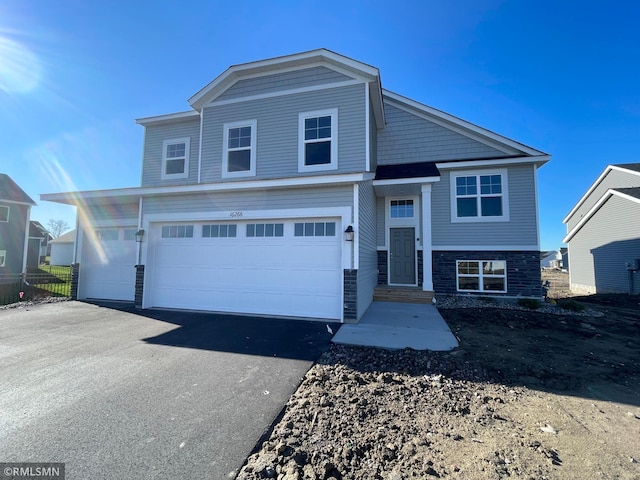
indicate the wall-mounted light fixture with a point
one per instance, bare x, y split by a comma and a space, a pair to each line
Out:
349, 233
139, 235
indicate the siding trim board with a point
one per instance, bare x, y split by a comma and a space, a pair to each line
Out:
595, 208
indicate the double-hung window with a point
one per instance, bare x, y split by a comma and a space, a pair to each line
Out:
175, 158
239, 157
318, 140
477, 197
4, 213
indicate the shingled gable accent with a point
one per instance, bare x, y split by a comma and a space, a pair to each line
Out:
340, 63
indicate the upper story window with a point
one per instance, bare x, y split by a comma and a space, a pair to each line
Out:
175, 158
4, 213
401, 209
479, 196
239, 156
318, 140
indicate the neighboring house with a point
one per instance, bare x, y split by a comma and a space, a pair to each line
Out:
297, 185
564, 252
551, 259
15, 211
62, 249
603, 236
39, 238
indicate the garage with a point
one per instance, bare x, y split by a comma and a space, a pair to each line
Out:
107, 265
289, 267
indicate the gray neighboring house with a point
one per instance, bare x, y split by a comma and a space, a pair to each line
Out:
298, 186
15, 213
62, 249
603, 236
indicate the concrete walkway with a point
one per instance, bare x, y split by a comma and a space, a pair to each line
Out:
399, 325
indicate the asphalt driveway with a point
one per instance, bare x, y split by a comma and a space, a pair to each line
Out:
115, 393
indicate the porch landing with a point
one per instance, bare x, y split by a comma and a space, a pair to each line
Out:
384, 293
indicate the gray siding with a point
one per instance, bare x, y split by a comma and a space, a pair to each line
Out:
276, 199
521, 230
113, 209
373, 140
152, 155
601, 248
408, 138
277, 131
12, 235
367, 255
380, 222
278, 82
614, 179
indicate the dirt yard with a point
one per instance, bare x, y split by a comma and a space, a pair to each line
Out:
528, 394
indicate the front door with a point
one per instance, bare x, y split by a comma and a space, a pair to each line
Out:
402, 256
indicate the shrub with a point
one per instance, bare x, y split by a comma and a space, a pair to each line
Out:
571, 305
530, 303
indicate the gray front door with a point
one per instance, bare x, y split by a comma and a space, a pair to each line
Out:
402, 256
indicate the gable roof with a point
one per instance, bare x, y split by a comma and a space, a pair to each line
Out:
68, 237
631, 194
633, 168
11, 192
299, 60
37, 230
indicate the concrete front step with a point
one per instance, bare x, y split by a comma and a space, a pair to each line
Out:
402, 295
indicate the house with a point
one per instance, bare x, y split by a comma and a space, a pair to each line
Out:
551, 259
39, 238
15, 212
602, 233
295, 186
62, 249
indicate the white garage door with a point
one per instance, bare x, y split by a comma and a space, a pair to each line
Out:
108, 264
273, 267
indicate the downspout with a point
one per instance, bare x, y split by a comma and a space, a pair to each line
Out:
139, 228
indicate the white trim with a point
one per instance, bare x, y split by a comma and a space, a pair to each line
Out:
26, 241
595, 185
72, 198
200, 146
77, 241
479, 218
591, 212
165, 159
486, 248
167, 118
144, 150
427, 259
8, 213
333, 164
367, 127
405, 181
469, 128
253, 124
404, 222
139, 253
266, 67
494, 162
355, 224
481, 276
281, 93
31, 204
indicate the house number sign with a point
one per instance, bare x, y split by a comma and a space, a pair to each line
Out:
236, 214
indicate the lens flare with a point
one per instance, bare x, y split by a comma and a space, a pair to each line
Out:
20, 69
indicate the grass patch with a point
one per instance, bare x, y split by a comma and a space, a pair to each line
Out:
571, 305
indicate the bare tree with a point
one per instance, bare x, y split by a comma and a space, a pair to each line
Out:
57, 227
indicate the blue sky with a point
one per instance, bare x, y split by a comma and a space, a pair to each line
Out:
75, 74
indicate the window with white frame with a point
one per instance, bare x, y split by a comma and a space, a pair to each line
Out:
4, 213
265, 229
479, 196
3, 258
177, 231
401, 209
481, 276
239, 157
315, 229
219, 230
175, 158
318, 140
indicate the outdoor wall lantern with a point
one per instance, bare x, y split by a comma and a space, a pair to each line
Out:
349, 233
139, 235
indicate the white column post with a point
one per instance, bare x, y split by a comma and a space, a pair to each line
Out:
427, 260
